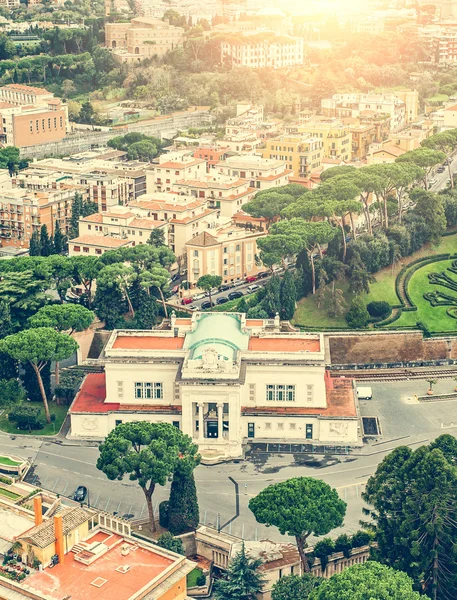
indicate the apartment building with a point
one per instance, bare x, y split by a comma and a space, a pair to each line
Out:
186, 217
228, 251
450, 117
301, 153
169, 168
250, 120
105, 182
143, 37
262, 173
23, 211
363, 136
224, 193
211, 155
226, 380
31, 116
261, 50
336, 137
356, 104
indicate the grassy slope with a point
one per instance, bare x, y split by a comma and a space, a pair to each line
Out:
59, 411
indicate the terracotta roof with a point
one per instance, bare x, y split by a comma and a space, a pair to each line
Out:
17, 87
211, 184
95, 218
254, 322
146, 223
273, 177
264, 344
161, 205
179, 165
91, 396
44, 535
394, 150
195, 217
290, 556
102, 241
451, 107
203, 239
147, 342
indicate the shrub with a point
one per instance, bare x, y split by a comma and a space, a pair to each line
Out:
201, 580
163, 514
379, 308
343, 544
6, 480
361, 538
169, 542
357, 316
322, 550
26, 417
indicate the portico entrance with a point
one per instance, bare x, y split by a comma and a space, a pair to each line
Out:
211, 420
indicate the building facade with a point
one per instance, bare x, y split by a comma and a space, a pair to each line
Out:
222, 379
301, 153
336, 137
262, 50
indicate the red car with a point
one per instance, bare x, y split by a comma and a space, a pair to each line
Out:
251, 278
187, 300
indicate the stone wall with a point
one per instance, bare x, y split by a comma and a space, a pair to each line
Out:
395, 347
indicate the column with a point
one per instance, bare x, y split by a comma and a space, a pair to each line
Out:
220, 415
201, 421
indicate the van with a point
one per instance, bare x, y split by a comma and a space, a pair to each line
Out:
364, 393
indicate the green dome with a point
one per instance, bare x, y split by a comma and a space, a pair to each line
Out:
221, 332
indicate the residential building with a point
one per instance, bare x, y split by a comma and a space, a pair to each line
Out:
169, 168
385, 153
227, 194
301, 153
450, 117
95, 245
336, 137
355, 104
228, 251
143, 37
250, 119
368, 25
411, 100
363, 136
31, 116
261, 50
186, 217
121, 223
224, 380
22, 212
211, 155
262, 173
381, 123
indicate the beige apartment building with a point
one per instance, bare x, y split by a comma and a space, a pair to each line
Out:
302, 154
162, 175
224, 193
228, 251
261, 50
336, 137
22, 212
186, 217
141, 38
262, 173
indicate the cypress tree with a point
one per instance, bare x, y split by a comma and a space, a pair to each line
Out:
146, 312
183, 511
288, 295
76, 212
45, 242
34, 246
59, 239
271, 302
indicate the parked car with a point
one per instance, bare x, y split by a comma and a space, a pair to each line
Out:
225, 287
200, 296
239, 282
432, 181
212, 292
251, 278
263, 274
175, 289
175, 277
441, 169
80, 493
193, 307
222, 300
235, 295
188, 300
206, 304
253, 288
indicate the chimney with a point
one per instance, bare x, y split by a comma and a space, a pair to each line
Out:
58, 531
37, 509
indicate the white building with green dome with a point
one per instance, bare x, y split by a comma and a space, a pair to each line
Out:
224, 380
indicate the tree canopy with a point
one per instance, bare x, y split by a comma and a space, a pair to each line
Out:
242, 580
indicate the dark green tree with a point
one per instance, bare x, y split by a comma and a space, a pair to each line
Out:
35, 246
8, 366
76, 212
430, 208
288, 295
157, 237
271, 301
11, 393
295, 587
300, 507
242, 581
322, 550
109, 304
147, 310
149, 453
368, 581
30, 381
183, 511
169, 542
209, 282
357, 316
45, 242
59, 240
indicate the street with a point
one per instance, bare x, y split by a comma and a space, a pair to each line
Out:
442, 178
61, 467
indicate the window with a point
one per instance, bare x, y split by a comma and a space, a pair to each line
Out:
309, 432
195, 252
89, 227
117, 422
61, 121
148, 390
176, 424
281, 393
98, 251
85, 249
251, 430
76, 248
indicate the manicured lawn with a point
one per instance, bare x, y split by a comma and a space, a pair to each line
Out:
59, 411
193, 576
4, 460
434, 317
308, 314
8, 494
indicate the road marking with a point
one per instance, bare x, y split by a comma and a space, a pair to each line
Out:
323, 473
84, 462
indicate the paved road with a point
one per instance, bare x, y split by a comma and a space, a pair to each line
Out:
61, 468
442, 178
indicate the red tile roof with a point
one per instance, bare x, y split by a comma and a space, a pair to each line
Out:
264, 344
91, 396
147, 342
101, 241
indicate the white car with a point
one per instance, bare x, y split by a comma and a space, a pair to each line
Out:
193, 307
253, 288
364, 393
199, 296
